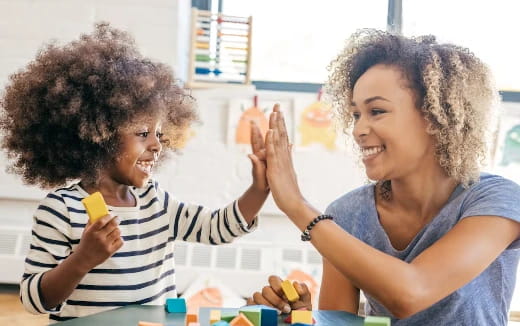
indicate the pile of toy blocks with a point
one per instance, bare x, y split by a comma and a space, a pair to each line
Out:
258, 315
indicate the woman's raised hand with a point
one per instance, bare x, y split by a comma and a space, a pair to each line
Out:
280, 170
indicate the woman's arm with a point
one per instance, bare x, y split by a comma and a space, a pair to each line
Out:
336, 291
403, 288
407, 288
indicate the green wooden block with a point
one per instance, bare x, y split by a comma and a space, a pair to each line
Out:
377, 321
227, 317
254, 316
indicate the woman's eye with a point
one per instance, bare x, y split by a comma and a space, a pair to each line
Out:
378, 111
356, 115
159, 135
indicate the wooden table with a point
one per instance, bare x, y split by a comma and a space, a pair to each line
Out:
131, 315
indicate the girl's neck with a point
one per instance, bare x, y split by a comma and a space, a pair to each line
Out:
115, 194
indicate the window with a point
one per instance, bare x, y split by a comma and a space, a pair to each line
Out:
294, 41
488, 28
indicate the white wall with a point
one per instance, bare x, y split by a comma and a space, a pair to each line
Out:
209, 171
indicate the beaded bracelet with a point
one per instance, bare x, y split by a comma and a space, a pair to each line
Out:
306, 236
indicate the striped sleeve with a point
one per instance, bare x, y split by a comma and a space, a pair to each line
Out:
50, 244
195, 223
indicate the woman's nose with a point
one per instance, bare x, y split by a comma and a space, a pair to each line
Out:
361, 128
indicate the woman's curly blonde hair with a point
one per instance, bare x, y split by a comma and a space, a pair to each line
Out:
63, 114
454, 91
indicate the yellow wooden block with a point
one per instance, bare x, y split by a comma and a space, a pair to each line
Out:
301, 316
147, 323
95, 206
290, 291
214, 316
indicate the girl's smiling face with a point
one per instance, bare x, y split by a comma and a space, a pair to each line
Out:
140, 148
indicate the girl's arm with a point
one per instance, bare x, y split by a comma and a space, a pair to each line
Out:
98, 242
253, 199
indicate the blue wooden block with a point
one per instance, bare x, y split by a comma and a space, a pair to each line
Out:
176, 305
220, 323
269, 315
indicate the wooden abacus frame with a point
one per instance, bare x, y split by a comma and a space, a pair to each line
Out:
207, 72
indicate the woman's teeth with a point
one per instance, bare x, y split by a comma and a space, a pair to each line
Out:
372, 151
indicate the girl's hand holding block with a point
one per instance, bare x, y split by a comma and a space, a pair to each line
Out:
101, 237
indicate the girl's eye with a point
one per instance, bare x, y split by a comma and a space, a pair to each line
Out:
143, 134
159, 135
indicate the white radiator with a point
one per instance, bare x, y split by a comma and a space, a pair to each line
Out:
243, 265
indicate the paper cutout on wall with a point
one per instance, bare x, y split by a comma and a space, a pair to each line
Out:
511, 149
209, 291
316, 126
254, 113
242, 111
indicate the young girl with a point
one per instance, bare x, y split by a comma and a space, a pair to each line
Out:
433, 241
95, 111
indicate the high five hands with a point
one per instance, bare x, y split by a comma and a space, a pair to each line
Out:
272, 162
273, 157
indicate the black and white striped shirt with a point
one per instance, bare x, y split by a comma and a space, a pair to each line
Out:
143, 270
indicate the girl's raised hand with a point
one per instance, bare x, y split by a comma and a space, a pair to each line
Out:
272, 295
280, 170
258, 158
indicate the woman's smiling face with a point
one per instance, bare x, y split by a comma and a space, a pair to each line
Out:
389, 128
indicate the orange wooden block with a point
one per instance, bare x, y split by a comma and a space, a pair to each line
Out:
191, 318
241, 320
147, 323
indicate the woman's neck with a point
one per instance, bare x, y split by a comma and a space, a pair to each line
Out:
422, 194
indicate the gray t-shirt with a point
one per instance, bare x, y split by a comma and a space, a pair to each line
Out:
483, 301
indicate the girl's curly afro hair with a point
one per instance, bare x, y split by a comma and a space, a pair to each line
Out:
453, 90
62, 112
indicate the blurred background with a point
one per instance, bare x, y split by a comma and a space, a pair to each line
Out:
258, 54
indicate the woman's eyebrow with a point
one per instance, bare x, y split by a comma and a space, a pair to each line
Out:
371, 99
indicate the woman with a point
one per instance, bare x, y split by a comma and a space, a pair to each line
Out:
433, 241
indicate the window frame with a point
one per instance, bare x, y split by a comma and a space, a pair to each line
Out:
394, 24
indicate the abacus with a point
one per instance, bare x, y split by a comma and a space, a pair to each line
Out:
220, 50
